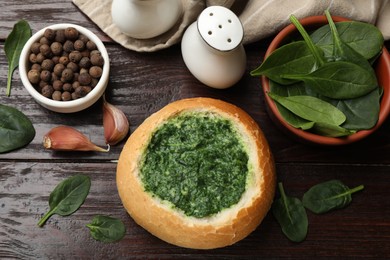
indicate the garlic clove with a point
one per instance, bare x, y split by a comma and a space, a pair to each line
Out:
65, 138
116, 126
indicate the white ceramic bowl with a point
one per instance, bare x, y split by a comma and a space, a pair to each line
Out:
72, 105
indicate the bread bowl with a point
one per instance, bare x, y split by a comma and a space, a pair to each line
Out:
206, 210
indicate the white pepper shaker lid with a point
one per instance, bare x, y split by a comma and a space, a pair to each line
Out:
220, 28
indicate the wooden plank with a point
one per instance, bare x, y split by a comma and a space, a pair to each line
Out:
360, 230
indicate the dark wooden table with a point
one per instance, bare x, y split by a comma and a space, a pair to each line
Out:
140, 84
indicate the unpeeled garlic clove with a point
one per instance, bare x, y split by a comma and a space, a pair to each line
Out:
65, 138
115, 123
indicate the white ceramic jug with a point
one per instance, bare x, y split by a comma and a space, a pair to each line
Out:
144, 19
212, 48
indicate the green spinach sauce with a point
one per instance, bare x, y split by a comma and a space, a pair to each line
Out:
197, 162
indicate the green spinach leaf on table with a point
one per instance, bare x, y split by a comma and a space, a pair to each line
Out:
328, 196
67, 197
16, 130
13, 46
106, 229
291, 215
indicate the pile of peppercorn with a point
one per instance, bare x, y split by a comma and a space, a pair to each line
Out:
64, 64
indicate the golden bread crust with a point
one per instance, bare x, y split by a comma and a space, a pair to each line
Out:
226, 227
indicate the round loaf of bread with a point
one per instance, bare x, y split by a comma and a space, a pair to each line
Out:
198, 173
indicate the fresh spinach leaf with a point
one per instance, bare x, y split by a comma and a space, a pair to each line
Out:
13, 46
106, 229
343, 52
339, 80
362, 112
67, 197
327, 196
364, 38
315, 50
330, 130
295, 89
16, 130
311, 108
293, 119
291, 215
292, 58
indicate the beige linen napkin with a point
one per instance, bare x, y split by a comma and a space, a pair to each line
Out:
260, 18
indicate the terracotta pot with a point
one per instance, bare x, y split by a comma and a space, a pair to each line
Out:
382, 69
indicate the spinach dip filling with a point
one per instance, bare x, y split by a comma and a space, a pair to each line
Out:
197, 162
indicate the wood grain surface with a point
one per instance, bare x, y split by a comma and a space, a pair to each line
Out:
140, 84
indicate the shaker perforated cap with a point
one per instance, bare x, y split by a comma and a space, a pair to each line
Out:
220, 28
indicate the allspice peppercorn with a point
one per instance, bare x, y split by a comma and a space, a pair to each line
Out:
36, 66
97, 59
75, 85
75, 56
56, 95
45, 75
60, 36
34, 76
40, 58
67, 75
45, 50
64, 60
35, 47
56, 48
71, 33
47, 91
50, 34
44, 40
73, 66
66, 96
91, 45
57, 85
85, 63
79, 45
67, 87
83, 38
68, 46
58, 69
95, 71
84, 79
47, 64
32, 58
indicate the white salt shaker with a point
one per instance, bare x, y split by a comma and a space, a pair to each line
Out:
144, 19
212, 48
